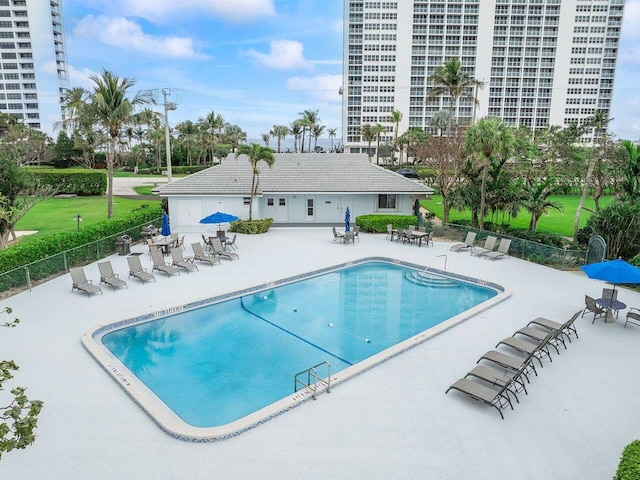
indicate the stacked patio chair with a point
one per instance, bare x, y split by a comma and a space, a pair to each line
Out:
510, 373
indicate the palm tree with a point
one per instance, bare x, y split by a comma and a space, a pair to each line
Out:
537, 202
308, 120
256, 153
452, 79
213, 124
316, 131
378, 129
265, 138
234, 135
487, 137
279, 132
295, 129
631, 185
112, 109
396, 118
368, 135
332, 132
186, 132
599, 122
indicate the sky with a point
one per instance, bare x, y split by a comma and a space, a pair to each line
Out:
258, 63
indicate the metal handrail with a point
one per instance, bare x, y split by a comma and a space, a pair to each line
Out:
312, 372
422, 274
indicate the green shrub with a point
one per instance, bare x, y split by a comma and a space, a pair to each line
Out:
73, 181
52, 245
251, 227
378, 223
635, 260
619, 224
629, 466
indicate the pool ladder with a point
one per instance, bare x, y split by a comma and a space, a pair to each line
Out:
313, 379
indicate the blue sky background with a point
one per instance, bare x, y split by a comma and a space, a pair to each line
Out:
256, 62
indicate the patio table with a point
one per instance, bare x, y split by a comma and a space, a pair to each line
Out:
165, 244
610, 304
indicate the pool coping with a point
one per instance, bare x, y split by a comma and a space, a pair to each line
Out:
174, 426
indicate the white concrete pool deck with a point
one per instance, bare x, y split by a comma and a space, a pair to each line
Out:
392, 422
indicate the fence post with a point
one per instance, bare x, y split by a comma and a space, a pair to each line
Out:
26, 270
64, 256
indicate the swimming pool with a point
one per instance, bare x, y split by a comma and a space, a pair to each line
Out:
212, 369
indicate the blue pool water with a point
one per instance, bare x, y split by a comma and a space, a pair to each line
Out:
221, 362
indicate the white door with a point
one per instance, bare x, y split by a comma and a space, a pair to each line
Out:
188, 213
311, 209
276, 208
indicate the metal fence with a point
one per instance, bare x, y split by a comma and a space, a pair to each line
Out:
24, 277
555, 257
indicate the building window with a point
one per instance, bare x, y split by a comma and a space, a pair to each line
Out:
387, 201
247, 200
270, 202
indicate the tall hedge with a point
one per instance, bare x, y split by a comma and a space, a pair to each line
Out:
378, 223
73, 181
629, 467
23, 254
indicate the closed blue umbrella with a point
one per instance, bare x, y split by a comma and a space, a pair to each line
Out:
347, 219
166, 229
219, 217
613, 271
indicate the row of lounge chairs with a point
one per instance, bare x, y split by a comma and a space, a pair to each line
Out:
510, 374
136, 270
486, 251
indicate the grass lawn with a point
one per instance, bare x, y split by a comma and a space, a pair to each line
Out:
557, 222
56, 214
144, 190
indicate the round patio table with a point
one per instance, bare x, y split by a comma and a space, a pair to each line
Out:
611, 304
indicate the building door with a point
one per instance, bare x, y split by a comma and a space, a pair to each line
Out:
311, 209
276, 208
346, 202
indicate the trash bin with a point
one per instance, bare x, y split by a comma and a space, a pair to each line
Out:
123, 242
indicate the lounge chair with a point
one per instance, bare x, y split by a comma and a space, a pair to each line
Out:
514, 383
80, 282
513, 364
107, 276
217, 249
501, 252
337, 237
497, 398
633, 317
200, 256
590, 305
567, 329
489, 244
467, 244
178, 260
161, 266
136, 270
539, 350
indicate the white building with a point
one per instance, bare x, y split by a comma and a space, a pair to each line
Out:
34, 65
299, 189
543, 62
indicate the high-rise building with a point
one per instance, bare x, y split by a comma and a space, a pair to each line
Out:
34, 76
542, 62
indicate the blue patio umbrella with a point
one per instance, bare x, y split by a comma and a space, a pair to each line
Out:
219, 217
613, 271
347, 218
166, 229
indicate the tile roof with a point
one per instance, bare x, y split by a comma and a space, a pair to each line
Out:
314, 172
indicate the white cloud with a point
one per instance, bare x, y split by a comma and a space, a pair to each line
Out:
166, 10
324, 87
284, 55
125, 34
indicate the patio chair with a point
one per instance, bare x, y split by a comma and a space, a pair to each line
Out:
567, 329
217, 249
466, 245
107, 276
349, 237
539, 350
356, 233
429, 239
590, 305
489, 244
610, 293
337, 237
497, 398
136, 270
80, 282
633, 317
178, 260
161, 266
391, 232
501, 252
200, 256
514, 383
400, 235
231, 242
206, 242
180, 242
515, 365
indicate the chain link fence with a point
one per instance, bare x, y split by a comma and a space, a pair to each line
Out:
25, 277
555, 257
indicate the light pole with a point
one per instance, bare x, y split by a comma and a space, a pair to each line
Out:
167, 106
78, 218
